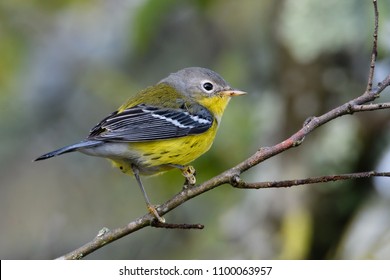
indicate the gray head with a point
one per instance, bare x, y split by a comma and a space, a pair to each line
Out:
195, 81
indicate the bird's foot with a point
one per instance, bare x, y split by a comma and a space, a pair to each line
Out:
152, 210
189, 173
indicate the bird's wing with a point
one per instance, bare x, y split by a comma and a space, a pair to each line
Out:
147, 123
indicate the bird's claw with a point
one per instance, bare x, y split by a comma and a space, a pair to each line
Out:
152, 210
189, 173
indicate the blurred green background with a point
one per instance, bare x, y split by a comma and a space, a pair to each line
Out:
64, 65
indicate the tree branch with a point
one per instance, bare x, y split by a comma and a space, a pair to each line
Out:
314, 180
370, 107
232, 176
374, 52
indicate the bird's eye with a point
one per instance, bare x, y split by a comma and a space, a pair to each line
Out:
208, 86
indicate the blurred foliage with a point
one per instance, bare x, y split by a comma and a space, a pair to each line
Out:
67, 64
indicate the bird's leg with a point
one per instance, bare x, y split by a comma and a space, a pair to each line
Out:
152, 210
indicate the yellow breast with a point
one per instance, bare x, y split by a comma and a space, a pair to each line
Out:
158, 156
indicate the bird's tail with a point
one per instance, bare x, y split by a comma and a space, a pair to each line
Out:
70, 148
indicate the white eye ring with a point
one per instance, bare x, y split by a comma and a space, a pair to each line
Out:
207, 86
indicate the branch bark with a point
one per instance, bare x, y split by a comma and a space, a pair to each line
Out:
374, 52
314, 180
232, 176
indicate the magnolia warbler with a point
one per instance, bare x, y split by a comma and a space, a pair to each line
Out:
164, 126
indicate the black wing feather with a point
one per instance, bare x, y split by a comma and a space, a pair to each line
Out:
148, 123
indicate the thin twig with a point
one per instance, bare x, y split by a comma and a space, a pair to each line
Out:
313, 180
374, 52
158, 224
370, 107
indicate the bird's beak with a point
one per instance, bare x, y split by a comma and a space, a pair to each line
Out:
232, 92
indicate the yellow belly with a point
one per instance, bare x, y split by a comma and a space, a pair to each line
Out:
157, 156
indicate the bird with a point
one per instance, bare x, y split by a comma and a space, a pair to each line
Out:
165, 126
